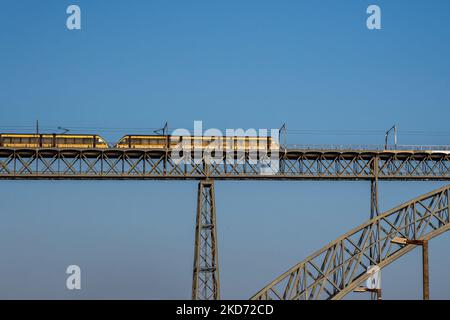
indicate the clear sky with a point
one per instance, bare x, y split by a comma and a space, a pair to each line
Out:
232, 64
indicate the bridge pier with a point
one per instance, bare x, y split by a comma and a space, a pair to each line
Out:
205, 282
374, 198
425, 271
374, 251
374, 189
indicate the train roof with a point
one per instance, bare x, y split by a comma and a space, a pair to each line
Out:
190, 136
49, 135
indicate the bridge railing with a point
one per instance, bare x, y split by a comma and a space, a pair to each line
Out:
368, 147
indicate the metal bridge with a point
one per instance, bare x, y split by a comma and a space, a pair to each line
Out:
307, 163
330, 273
339, 267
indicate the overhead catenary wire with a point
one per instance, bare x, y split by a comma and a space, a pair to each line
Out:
322, 132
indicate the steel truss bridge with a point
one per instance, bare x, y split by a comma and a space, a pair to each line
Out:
330, 273
158, 164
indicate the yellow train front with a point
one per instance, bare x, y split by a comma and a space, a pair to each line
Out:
17, 140
236, 143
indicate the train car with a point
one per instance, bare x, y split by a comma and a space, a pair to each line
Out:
197, 142
143, 142
235, 143
17, 140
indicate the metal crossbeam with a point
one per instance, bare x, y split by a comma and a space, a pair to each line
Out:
341, 266
157, 164
205, 283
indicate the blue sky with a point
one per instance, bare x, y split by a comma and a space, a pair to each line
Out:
232, 64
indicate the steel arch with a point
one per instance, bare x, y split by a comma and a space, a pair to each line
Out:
339, 267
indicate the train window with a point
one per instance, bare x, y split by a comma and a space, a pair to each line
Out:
228, 142
174, 141
124, 141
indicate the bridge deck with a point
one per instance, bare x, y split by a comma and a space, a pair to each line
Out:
315, 164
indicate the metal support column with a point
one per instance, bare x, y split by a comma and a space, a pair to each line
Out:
425, 268
374, 198
374, 190
374, 251
205, 282
425, 272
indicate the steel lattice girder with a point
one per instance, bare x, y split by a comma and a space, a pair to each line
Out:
339, 267
205, 282
154, 164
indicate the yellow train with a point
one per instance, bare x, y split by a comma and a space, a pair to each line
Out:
191, 142
17, 140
